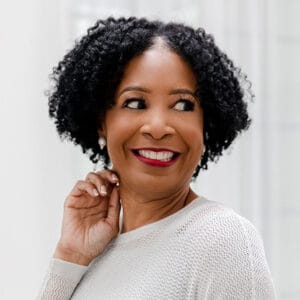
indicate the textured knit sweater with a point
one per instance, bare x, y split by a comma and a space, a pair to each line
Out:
203, 251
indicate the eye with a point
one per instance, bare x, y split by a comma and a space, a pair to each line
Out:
134, 103
184, 105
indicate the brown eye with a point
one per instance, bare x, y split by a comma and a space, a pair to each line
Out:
184, 105
134, 103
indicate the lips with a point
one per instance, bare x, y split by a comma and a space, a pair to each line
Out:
156, 157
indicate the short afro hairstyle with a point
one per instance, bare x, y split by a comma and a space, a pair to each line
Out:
85, 81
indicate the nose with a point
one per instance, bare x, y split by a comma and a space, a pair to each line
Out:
156, 125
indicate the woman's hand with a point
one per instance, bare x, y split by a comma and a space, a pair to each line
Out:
91, 218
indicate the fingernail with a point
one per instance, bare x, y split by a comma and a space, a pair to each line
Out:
95, 192
114, 177
103, 190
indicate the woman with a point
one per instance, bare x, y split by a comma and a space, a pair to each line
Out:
151, 100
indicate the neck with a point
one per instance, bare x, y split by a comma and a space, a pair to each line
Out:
139, 210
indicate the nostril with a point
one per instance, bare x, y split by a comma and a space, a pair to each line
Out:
157, 130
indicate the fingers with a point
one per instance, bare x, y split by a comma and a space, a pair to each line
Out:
114, 207
108, 175
82, 187
103, 181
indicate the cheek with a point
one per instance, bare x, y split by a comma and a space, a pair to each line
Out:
192, 132
195, 149
119, 130
196, 141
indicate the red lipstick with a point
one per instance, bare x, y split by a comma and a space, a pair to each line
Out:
155, 162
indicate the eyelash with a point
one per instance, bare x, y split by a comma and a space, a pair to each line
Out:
189, 105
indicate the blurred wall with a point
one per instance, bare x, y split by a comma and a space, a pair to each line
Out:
36, 169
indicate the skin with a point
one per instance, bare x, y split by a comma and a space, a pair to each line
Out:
151, 193
149, 111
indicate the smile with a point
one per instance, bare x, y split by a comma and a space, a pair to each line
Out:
156, 157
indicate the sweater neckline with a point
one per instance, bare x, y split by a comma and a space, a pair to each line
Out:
143, 230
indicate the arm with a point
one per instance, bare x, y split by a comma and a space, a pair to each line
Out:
90, 222
61, 280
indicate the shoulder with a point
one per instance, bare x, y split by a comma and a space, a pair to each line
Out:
223, 223
236, 260
214, 227
228, 234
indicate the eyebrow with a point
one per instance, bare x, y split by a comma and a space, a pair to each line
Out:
134, 88
182, 91
141, 89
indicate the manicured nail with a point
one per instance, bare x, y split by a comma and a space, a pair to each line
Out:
95, 192
103, 190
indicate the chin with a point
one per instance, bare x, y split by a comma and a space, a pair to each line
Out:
154, 184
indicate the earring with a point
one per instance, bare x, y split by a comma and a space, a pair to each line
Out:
102, 142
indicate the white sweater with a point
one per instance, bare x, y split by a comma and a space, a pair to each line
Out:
203, 251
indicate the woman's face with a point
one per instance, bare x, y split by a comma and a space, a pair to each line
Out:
154, 131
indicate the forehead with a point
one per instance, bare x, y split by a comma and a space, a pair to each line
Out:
159, 67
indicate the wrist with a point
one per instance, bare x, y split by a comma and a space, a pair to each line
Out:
71, 256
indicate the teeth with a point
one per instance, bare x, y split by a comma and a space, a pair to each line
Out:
161, 155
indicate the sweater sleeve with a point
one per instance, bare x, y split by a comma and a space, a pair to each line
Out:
240, 269
61, 280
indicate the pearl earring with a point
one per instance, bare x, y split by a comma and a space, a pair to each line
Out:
102, 142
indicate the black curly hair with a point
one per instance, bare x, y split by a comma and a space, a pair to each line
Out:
86, 79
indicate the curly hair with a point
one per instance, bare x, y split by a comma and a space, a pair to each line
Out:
86, 79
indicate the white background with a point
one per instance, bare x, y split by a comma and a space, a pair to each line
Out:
258, 177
